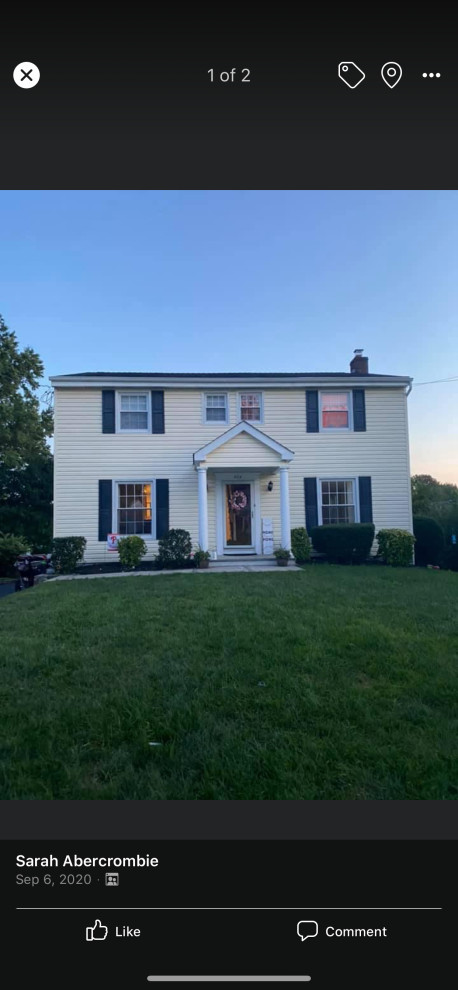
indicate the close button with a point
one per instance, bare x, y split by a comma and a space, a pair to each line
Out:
26, 75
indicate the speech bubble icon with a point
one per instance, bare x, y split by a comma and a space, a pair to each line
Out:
307, 929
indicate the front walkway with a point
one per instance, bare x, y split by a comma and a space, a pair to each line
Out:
220, 568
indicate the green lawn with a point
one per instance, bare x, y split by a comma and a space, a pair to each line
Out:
330, 682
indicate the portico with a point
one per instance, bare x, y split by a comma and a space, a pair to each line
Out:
243, 483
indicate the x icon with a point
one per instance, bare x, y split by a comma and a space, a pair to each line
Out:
26, 75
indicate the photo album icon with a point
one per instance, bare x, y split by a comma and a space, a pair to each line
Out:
307, 929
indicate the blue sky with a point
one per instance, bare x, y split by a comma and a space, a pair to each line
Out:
243, 281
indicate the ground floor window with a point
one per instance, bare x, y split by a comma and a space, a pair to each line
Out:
134, 513
338, 502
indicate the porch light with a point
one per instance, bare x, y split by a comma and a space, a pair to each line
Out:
270, 486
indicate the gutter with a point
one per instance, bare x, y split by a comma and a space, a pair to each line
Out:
176, 383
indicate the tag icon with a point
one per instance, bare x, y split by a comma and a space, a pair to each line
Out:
350, 74
391, 73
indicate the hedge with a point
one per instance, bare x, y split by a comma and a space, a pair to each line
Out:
429, 541
396, 546
344, 543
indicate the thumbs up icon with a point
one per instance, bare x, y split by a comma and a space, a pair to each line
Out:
98, 932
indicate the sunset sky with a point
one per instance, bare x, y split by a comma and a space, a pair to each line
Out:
243, 281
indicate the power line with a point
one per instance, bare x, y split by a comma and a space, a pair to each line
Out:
435, 381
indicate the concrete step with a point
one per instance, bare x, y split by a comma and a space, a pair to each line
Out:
249, 565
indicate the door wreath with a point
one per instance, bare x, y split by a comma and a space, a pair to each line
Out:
238, 501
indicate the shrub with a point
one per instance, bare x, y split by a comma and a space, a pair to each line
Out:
174, 548
429, 540
282, 553
67, 552
200, 555
10, 548
344, 543
449, 559
300, 544
131, 549
396, 546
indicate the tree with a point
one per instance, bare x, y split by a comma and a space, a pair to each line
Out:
26, 462
24, 427
433, 498
26, 502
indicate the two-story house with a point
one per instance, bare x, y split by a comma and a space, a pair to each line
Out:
236, 459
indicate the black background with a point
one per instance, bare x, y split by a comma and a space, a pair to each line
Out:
299, 880
128, 103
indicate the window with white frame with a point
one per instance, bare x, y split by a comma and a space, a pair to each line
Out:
216, 407
134, 412
338, 503
251, 406
134, 508
335, 410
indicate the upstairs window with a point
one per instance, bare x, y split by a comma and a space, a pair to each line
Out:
251, 406
338, 504
216, 407
335, 410
134, 412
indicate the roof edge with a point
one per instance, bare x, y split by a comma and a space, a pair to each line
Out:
228, 379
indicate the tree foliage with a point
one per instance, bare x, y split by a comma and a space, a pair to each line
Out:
439, 501
433, 498
24, 427
26, 463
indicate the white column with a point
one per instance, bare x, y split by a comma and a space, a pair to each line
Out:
284, 509
203, 507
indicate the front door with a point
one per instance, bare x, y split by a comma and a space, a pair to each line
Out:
238, 519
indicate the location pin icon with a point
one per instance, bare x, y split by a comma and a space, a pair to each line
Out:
391, 73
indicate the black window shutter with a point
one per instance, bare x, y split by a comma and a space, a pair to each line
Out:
108, 410
311, 503
365, 500
311, 408
157, 411
162, 507
105, 509
359, 410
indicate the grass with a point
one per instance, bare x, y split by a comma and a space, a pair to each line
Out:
328, 683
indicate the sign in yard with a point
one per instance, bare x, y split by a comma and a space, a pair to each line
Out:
112, 541
267, 536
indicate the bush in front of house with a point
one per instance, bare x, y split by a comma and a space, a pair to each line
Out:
449, 558
395, 546
300, 544
175, 549
131, 549
344, 543
10, 548
429, 540
67, 553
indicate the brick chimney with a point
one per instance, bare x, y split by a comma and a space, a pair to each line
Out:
359, 365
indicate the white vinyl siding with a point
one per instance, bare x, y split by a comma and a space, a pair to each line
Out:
83, 455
